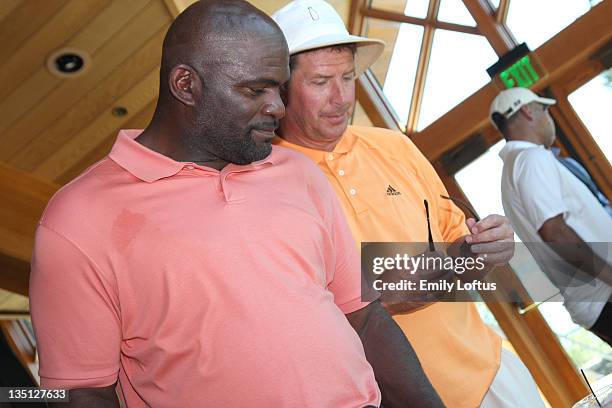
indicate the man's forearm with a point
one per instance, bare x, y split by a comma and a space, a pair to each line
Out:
570, 246
397, 369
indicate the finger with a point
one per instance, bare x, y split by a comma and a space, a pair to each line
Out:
490, 221
491, 235
470, 222
492, 247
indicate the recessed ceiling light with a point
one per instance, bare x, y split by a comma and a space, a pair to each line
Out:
68, 62
119, 111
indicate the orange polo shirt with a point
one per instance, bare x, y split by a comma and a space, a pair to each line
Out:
382, 179
200, 288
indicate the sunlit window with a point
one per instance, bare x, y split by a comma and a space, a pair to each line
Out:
413, 8
525, 18
454, 74
399, 82
592, 103
454, 11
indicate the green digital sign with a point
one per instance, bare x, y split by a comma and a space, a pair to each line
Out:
522, 74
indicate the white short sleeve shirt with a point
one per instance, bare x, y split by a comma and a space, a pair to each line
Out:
536, 187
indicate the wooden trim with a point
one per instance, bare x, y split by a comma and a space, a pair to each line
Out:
401, 18
498, 36
374, 102
421, 74
356, 17
502, 11
536, 344
22, 343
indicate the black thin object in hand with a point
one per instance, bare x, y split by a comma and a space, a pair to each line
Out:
463, 205
432, 247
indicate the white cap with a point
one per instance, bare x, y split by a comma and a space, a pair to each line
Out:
508, 102
311, 24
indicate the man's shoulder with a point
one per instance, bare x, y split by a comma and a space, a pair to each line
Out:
80, 198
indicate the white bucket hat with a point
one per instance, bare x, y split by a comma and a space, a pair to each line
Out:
311, 24
510, 101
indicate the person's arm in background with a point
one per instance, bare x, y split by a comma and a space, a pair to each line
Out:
568, 244
538, 183
75, 323
399, 374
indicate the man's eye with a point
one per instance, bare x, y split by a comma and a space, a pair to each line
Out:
349, 77
256, 91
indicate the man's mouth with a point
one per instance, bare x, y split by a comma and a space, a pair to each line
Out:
263, 135
335, 118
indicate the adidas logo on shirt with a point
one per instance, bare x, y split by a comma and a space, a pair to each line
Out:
392, 192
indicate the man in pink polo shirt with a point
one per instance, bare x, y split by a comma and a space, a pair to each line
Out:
197, 265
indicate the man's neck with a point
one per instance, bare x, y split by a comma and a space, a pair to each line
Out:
297, 137
166, 140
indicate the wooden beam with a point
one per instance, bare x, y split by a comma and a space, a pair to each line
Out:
402, 18
534, 341
355, 19
502, 11
22, 201
497, 34
564, 52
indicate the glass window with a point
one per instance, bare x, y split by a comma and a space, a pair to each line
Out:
495, 3
526, 23
413, 8
395, 70
480, 180
454, 11
592, 103
456, 70
399, 82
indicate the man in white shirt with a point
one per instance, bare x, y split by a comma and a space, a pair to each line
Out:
554, 213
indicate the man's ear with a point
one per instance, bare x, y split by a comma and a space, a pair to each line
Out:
527, 112
184, 83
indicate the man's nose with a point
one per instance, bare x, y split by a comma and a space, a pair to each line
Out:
339, 93
274, 106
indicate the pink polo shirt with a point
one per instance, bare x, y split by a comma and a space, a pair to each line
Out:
197, 287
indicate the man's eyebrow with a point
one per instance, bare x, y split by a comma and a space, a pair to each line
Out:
260, 81
322, 76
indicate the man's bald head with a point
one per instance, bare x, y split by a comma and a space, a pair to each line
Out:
209, 33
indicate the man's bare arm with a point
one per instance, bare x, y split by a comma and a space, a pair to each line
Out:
568, 244
399, 374
104, 397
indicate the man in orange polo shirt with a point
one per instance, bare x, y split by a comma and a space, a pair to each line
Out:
192, 270
382, 180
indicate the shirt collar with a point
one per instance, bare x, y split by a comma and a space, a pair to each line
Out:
345, 145
150, 166
512, 145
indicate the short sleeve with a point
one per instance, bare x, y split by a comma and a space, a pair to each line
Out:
75, 316
539, 186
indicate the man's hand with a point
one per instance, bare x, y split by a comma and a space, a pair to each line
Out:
492, 238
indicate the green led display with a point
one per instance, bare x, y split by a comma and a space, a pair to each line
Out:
521, 73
